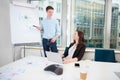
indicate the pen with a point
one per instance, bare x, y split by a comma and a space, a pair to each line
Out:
34, 26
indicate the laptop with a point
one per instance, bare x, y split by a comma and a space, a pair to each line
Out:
55, 57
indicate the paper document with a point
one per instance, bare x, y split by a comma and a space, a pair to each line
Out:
117, 74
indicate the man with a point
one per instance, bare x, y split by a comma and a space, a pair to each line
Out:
51, 31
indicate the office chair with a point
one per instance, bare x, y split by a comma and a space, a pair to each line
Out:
104, 55
66, 49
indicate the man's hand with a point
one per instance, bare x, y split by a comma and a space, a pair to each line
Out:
53, 40
39, 28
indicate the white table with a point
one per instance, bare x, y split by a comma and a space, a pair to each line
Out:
31, 68
103, 71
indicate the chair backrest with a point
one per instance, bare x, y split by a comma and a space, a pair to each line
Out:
66, 49
104, 55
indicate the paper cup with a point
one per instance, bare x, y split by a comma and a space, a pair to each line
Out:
83, 72
83, 76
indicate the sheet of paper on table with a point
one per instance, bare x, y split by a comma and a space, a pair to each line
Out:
117, 74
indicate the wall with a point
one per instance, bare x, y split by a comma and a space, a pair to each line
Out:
5, 38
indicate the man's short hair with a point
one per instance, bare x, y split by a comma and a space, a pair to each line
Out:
49, 7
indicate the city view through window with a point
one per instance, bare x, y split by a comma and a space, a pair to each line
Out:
89, 17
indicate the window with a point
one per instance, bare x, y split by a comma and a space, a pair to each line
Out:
40, 19
51, 3
42, 4
119, 43
58, 6
114, 24
89, 18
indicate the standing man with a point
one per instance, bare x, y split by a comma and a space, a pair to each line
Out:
51, 31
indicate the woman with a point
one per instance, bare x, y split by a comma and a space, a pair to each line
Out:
76, 49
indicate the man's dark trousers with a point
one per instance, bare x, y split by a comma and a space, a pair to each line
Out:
49, 46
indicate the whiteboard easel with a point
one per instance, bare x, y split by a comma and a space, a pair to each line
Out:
22, 18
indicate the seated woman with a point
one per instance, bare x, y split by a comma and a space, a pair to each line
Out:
76, 49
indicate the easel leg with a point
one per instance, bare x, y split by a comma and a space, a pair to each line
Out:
24, 50
13, 53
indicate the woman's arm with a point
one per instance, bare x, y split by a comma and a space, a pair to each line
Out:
80, 53
77, 55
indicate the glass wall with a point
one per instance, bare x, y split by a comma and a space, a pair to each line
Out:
114, 25
85, 15
89, 17
41, 6
118, 34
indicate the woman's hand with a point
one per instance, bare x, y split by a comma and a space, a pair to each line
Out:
66, 61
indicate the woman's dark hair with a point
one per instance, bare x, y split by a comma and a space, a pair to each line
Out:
81, 36
49, 7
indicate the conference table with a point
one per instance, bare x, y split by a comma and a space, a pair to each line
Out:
32, 68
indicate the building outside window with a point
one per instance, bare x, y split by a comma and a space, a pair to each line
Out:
86, 15
114, 26
118, 32
51, 3
90, 18
58, 7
